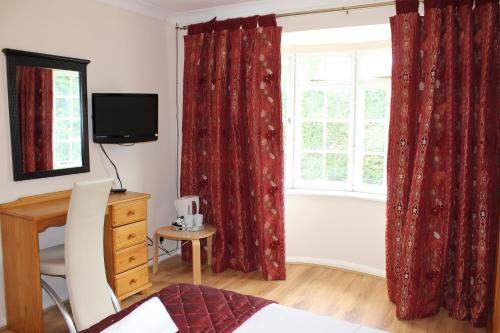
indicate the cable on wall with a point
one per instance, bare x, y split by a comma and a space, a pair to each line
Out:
113, 164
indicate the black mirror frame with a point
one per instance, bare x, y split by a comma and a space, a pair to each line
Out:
25, 58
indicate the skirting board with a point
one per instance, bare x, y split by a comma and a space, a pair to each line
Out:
349, 266
337, 264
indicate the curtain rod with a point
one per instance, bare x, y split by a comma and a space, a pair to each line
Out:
326, 10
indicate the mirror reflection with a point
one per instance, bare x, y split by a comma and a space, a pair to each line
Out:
50, 118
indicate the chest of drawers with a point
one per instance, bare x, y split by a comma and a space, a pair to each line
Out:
126, 249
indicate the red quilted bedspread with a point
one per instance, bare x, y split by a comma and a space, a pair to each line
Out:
198, 309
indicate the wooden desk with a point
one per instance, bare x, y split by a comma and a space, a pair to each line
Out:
194, 237
125, 250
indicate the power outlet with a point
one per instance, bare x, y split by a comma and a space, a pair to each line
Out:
161, 240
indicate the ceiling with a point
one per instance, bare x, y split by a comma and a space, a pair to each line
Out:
165, 9
189, 10
179, 6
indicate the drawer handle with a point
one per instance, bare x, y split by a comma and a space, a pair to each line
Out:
133, 281
131, 236
130, 213
131, 259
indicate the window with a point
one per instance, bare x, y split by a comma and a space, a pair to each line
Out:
335, 111
66, 142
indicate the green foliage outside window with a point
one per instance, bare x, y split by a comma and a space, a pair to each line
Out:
336, 167
374, 139
337, 136
76, 107
338, 104
62, 86
373, 169
313, 104
312, 166
312, 135
62, 131
75, 86
62, 107
375, 101
62, 151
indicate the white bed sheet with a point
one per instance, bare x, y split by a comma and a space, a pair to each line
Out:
276, 318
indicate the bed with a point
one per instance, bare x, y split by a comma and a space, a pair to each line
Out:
209, 310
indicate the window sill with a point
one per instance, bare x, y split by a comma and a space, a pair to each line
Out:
340, 194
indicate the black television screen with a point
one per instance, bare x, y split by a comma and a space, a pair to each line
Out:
124, 118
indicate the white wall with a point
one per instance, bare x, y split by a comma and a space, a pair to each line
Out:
341, 231
336, 231
129, 53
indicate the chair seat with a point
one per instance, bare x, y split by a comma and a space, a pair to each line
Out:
52, 261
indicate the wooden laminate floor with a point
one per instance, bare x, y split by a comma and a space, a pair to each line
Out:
341, 294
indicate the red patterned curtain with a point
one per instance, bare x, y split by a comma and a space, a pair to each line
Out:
442, 205
35, 104
232, 140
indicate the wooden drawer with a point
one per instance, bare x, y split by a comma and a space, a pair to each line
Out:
128, 235
128, 212
131, 280
131, 257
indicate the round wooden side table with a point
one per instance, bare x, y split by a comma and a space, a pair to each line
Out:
194, 237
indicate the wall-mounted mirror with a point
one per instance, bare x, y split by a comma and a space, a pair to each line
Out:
48, 114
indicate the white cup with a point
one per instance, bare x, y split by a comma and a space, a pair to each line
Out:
198, 220
188, 220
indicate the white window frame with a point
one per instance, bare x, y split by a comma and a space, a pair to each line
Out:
354, 183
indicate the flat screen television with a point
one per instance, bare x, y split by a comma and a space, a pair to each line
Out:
124, 118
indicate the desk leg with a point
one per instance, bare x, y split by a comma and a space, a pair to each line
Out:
196, 261
209, 250
21, 269
155, 253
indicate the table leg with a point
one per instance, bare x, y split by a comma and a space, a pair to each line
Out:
196, 261
21, 268
209, 249
155, 252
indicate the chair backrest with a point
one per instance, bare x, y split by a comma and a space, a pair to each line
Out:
84, 255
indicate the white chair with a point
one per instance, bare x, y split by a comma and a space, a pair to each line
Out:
81, 259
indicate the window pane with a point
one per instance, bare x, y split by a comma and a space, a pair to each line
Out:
336, 167
312, 135
62, 129
375, 103
337, 136
311, 67
339, 68
75, 87
62, 85
313, 104
62, 107
338, 103
76, 107
374, 137
311, 166
373, 169
62, 152
284, 71
333, 68
284, 105
76, 129
375, 64
285, 122
76, 152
